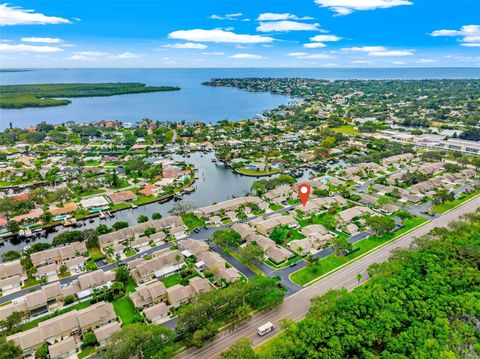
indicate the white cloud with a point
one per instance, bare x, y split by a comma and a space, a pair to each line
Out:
247, 56
269, 16
364, 48
88, 55
362, 62
286, 25
22, 48
45, 40
213, 53
426, 61
219, 36
227, 16
15, 15
188, 45
399, 63
469, 34
314, 45
391, 53
345, 7
318, 41
127, 55
379, 51
304, 55
326, 38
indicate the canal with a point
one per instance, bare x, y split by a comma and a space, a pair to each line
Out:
215, 183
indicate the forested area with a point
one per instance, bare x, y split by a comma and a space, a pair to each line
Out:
46, 95
423, 303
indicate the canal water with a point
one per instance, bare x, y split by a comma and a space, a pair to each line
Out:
215, 183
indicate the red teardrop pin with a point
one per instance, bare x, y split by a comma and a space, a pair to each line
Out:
303, 190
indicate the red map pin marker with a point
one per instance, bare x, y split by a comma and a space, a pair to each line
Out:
303, 192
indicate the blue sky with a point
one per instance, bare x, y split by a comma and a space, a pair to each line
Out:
240, 33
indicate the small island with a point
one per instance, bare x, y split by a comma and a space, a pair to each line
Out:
47, 95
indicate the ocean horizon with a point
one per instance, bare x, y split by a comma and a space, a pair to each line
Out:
194, 102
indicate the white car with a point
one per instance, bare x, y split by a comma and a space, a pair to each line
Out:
265, 329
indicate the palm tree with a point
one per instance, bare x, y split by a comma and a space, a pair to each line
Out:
359, 277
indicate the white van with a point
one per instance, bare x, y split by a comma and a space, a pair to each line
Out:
266, 328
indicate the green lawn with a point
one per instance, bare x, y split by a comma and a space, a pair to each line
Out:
126, 311
119, 206
95, 253
347, 130
442, 208
121, 184
171, 280
90, 265
247, 172
91, 192
141, 200
325, 265
293, 202
275, 207
86, 352
130, 286
250, 266
130, 252
64, 275
283, 264
192, 221
30, 283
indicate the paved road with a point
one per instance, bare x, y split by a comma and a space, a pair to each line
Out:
296, 306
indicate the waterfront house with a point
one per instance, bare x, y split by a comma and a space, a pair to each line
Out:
94, 202
232, 204
65, 209
122, 197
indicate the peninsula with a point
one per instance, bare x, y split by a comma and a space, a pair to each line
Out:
47, 95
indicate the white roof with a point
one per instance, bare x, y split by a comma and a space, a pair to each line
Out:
97, 201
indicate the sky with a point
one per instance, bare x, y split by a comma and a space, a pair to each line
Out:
240, 33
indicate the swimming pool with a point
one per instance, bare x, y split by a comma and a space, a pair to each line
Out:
61, 217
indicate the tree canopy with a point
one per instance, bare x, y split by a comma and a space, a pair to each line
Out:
422, 303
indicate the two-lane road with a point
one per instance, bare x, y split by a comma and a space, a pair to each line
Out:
296, 306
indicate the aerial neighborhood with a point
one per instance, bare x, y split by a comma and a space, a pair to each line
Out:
110, 227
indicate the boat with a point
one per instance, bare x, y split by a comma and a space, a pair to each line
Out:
110, 214
91, 220
134, 206
102, 215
